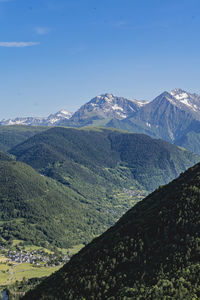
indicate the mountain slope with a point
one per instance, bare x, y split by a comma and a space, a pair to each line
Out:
173, 116
190, 137
165, 117
153, 252
5, 157
148, 162
10, 136
168, 115
29, 200
187, 101
101, 109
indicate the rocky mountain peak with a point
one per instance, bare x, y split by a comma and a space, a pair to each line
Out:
177, 91
187, 100
65, 112
179, 94
108, 97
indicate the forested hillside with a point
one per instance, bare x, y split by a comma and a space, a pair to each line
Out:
63, 153
10, 136
152, 252
38, 210
84, 181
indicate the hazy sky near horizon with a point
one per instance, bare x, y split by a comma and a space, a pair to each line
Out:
58, 54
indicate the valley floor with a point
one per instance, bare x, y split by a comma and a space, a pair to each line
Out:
20, 264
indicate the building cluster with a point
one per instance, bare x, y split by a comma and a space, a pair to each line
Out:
36, 257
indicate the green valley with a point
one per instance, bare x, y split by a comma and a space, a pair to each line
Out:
152, 252
63, 187
84, 180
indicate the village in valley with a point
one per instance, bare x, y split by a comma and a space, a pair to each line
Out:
37, 257
18, 262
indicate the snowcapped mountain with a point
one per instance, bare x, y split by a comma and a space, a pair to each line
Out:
61, 115
177, 106
104, 107
23, 121
187, 101
173, 116
110, 106
51, 120
169, 114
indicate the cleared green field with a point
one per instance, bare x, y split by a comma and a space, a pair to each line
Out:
27, 271
35, 248
16, 242
4, 267
75, 249
10, 273
3, 259
4, 277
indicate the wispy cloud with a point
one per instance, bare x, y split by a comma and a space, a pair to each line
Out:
42, 30
18, 44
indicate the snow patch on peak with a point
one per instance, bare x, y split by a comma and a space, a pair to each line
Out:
177, 91
116, 107
186, 102
65, 112
179, 94
53, 120
141, 103
184, 98
108, 97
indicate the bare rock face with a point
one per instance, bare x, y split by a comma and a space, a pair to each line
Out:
106, 106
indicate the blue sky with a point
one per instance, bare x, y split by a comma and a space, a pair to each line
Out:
58, 54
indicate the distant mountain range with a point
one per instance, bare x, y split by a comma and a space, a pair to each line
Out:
105, 106
51, 120
173, 116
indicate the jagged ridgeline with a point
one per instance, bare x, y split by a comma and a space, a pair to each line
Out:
81, 184
153, 252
